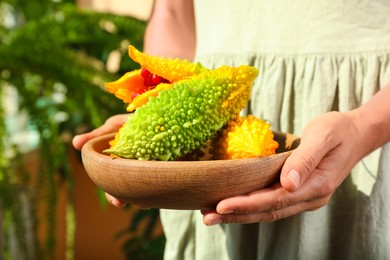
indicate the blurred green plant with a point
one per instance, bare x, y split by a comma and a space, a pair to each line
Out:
146, 245
55, 56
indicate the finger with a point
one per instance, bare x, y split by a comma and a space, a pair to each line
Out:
303, 160
272, 198
111, 125
79, 140
115, 202
206, 211
212, 218
275, 198
117, 120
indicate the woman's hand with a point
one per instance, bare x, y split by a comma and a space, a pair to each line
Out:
111, 125
330, 146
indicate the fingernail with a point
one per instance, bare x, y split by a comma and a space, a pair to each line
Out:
293, 175
226, 211
214, 221
118, 204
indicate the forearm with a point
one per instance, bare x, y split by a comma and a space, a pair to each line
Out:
171, 30
374, 117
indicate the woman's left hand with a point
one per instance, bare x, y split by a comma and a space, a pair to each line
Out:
111, 125
330, 146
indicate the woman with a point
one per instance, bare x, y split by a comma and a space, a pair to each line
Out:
314, 57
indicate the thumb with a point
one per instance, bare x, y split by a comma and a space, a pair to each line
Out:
301, 163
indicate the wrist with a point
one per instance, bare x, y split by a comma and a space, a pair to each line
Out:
372, 128
373, 119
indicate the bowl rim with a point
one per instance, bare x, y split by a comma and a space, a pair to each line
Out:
162, 164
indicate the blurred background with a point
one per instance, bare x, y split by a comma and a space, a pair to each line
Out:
55, 56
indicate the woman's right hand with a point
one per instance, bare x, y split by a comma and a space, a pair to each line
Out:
111, 125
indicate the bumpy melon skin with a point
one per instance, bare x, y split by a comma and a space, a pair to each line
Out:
183, 118
168, 68
245, 137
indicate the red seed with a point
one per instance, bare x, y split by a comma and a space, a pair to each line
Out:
151, 80
156, 79
139, 92
148, 82
145, 73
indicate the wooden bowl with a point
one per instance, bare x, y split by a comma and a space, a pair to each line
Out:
182, 184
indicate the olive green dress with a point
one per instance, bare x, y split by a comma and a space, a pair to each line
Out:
313, 56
